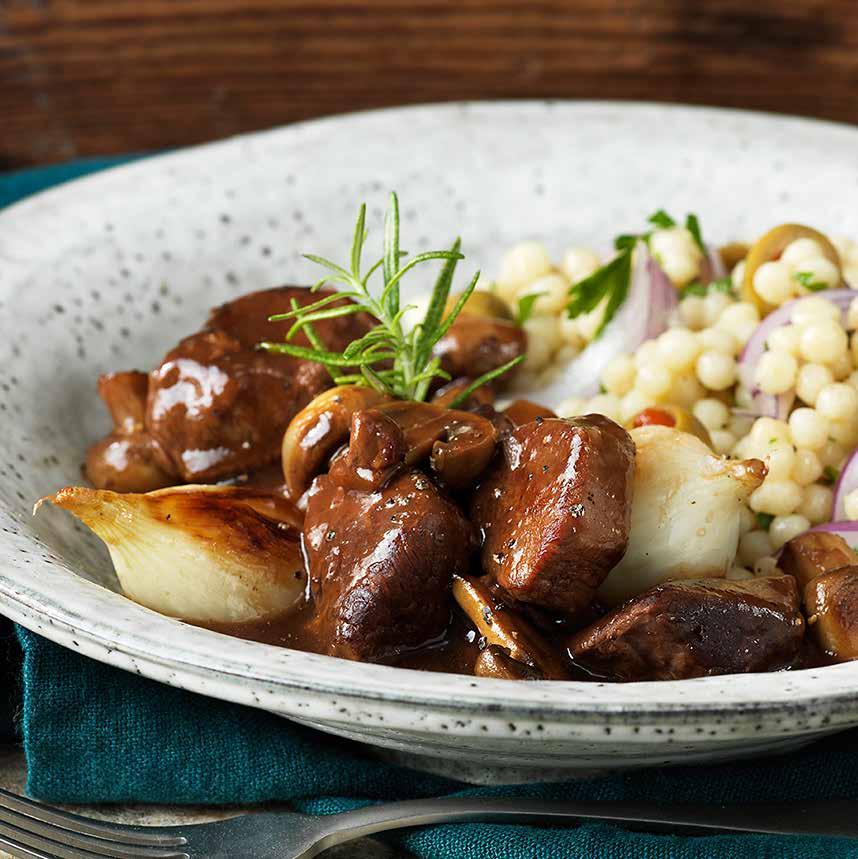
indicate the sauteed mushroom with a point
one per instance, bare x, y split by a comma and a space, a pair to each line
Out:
318, 430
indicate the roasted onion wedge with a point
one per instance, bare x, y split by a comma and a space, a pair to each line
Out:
207, 554
686, 506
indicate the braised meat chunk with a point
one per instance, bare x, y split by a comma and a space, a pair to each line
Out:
128, 459
696, 629
218, 406
555, 510
813, 553
381, 564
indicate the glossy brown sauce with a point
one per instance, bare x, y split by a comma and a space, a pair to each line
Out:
455, 652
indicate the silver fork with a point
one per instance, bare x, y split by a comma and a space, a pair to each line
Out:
32, 830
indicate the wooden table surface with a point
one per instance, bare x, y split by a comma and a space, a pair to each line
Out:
82, 77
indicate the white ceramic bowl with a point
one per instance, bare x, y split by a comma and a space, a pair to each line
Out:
108, 272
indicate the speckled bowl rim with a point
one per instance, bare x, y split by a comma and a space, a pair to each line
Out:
238, 670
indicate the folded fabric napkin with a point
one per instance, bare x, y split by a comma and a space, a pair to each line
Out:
96, 734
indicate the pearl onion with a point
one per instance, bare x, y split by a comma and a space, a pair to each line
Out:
811, 379
712, 413
784, 528
678, 348
850, 505
619, 375
776, 372
820, 271
786, 338
579, 263
753, 546
553, 291
523, 263
816, 503
776, 497
677, 253
823, 342
799, 250
808, 428
718, 340
716, 370
838, 402
723, 441
807, 467
773, 283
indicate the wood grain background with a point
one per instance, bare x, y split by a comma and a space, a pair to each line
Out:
100, 76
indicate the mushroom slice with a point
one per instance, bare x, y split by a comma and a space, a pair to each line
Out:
686, 509
502, 627
459, 445
207, 554
495, 662
318, 430
831, 606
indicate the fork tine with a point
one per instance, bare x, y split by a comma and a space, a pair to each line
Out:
86, 826
95, 845
19, 851
38, 846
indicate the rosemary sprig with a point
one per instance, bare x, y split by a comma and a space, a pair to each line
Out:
388, 358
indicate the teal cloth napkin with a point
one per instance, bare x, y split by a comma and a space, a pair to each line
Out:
96, 734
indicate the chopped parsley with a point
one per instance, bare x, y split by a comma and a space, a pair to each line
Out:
610, 283
525, 307
805, 278
764, 520
830, 474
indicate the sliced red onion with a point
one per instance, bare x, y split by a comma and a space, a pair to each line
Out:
769, 405
643, 315
846, 483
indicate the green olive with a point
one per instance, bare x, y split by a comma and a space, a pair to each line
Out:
483, 303
769, 247
669, 415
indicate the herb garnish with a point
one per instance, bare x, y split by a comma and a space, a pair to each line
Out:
388, 358
830, 474
806, 279
611, 282
526, 306
764, 520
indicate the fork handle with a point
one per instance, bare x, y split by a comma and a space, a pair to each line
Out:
837, 818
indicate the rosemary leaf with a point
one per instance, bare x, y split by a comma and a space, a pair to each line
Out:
485, 379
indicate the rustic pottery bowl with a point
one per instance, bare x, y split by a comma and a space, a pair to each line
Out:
109, 271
